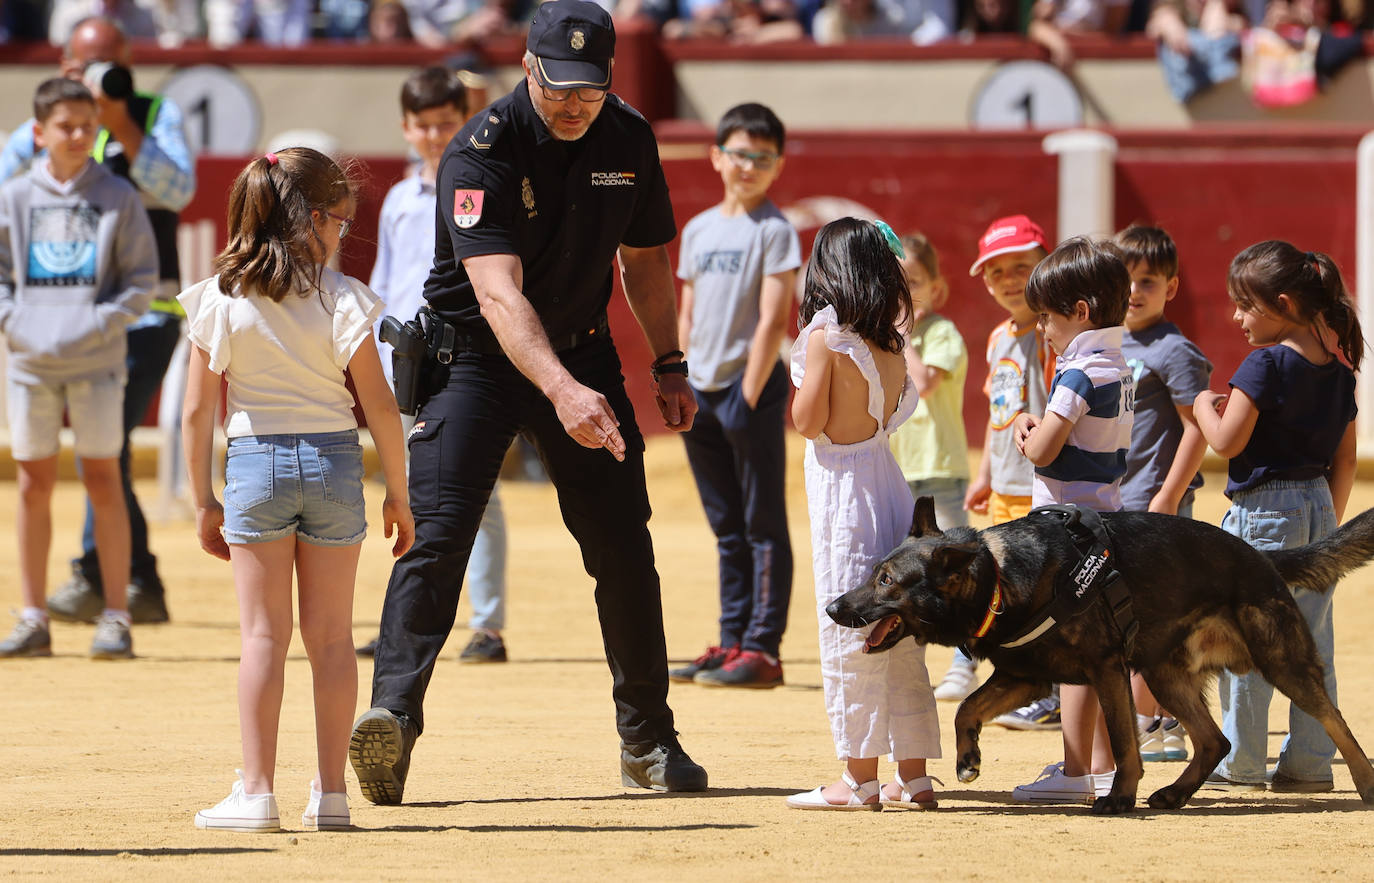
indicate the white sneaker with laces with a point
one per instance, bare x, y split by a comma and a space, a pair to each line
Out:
958, 682
326, 812
1152, 742
112, 639
1171, 737
245, 813
1053, 786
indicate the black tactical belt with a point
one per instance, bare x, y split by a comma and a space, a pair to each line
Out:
447, 339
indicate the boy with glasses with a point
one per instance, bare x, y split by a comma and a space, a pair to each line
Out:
738, 265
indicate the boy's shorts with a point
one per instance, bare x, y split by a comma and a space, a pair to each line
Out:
1004, 509
309, 484
95, 409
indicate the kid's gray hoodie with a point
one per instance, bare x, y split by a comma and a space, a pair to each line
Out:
78, 263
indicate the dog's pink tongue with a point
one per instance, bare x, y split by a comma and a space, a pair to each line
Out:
880, 631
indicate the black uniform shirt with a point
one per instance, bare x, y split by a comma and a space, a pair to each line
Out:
507, 186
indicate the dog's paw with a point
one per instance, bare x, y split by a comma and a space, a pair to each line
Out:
968, 768
1114, 805
1169, 797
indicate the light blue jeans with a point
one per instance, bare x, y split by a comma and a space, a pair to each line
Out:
487, 568
1280, 515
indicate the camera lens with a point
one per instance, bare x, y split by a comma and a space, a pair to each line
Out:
114, 80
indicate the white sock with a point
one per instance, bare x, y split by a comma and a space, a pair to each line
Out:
34, 614
1143, 721
121, 615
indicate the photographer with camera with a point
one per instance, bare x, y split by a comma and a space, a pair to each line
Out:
140, 139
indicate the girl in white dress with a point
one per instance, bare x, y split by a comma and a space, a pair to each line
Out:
280, 328
852, 393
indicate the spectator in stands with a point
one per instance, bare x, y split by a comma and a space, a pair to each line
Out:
389, 22
1199, 41
274, 22
923, 21
441, 22
740, 21
343, 19
991, 17
1052, 21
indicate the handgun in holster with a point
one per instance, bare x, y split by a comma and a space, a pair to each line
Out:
408, 353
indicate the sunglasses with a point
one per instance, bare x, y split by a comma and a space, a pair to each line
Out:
585, 94
743, 159
345, 224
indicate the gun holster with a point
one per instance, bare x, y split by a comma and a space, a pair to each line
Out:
408, 354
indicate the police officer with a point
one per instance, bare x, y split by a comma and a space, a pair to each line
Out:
536, 197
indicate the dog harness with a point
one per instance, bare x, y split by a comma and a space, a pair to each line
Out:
1092, 579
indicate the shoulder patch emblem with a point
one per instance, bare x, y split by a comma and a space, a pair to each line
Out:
467, 207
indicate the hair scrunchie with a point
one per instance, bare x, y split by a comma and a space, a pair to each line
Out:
270, 157
893, 242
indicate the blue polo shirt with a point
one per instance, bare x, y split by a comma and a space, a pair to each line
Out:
506, 186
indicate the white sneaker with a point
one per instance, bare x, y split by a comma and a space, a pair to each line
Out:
245, 813
958, 682
1054, 787
1152, 742
1171, 736
326, 812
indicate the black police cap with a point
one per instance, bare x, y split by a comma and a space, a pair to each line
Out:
573, 42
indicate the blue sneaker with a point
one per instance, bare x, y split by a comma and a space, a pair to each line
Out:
1042, 714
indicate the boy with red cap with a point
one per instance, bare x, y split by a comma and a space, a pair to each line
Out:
1020, 365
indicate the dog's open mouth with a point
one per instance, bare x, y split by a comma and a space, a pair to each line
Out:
885, 633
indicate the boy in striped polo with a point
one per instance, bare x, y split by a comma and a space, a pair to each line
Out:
1080, 292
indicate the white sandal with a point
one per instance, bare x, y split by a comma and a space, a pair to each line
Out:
907, 799
858, 800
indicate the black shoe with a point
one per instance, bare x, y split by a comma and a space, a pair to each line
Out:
661, 765
380, 753
712, 659
483, 648
369, 649
147, 601
76, 600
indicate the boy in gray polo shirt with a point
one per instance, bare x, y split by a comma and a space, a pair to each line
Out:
738, 265
1166, 444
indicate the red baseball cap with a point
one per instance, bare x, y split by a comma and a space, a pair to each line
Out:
1007, 235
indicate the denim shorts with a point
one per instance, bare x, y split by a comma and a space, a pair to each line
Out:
310, 485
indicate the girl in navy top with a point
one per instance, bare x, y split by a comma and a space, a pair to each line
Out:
1288, 428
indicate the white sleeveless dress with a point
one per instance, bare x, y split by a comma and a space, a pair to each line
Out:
861, 508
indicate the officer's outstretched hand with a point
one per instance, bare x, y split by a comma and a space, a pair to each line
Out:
588, 419
675, 402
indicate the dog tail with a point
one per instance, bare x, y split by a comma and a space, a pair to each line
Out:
1318, 565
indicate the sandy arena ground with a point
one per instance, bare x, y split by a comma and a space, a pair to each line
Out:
104, 764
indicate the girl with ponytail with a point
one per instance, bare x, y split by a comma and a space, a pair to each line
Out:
281, 329
1287, 426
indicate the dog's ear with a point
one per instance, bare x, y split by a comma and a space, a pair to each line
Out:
953, 559
923, 519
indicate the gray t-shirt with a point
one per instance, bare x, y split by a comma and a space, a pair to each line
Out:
726, 260
1169, 371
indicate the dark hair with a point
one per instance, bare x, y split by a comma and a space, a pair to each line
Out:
1313, 283
1082, 269
1150, 246
919, 249
853, 269
433, 86
754, 120
51, 93
273, 247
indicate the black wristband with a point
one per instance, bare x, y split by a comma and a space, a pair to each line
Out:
658, 370
671, 354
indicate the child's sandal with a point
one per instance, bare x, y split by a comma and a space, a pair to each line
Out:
858, 799
907, 799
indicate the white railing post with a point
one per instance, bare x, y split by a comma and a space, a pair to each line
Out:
1087, 182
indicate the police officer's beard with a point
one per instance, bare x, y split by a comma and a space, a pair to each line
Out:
554, 130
